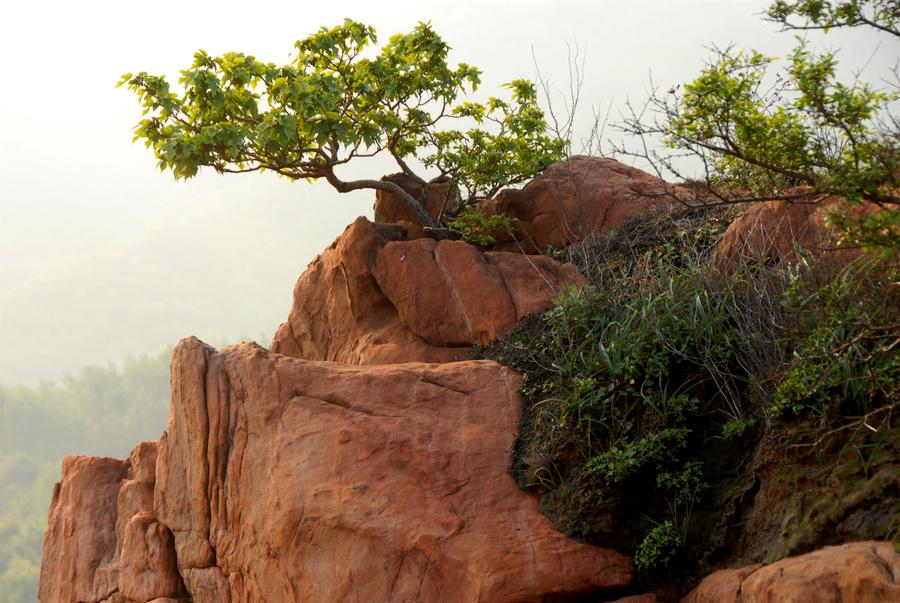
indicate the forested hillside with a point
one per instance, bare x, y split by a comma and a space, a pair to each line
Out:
99, 411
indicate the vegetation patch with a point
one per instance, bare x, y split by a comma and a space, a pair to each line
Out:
479, 229
666, 401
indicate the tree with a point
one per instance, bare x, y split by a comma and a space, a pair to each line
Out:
883, 15
800, 135
331, 105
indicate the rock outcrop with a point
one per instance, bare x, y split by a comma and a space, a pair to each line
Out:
782, 230
442, 198
375, 298
78, 562
281, 479
354, 462
284, 480
861, 572
771, 230
575, 198
103, 541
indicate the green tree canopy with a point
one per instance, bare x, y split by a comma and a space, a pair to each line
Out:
798, 134
335, 102
823, 14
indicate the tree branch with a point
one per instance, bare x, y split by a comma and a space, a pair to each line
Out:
411, 202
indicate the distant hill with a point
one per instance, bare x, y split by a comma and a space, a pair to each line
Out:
220, 267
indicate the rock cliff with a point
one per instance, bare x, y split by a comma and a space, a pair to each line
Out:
280, 479
362, 459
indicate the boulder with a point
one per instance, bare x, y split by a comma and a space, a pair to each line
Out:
576, 197
783, 230
450, 293
467, 297
339, 312
442, 198
862, 572
375, 298
290, 480
103, 542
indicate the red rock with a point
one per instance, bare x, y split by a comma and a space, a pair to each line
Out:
135, 494
78, 561
145, 549
339, 312
450, 293
147, 565
721, 586
289, 480
531, 295
576, 197
442, 198
374, 299
647, 598
862, 572
413, 279
775, 230
103, 542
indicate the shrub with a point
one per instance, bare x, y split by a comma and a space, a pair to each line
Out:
659, 548
478, 229
845, 360
642, 387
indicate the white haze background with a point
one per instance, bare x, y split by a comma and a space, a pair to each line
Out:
102, 256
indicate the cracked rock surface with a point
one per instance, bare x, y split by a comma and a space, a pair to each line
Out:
103, 542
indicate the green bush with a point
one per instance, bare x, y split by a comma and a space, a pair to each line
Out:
847, 335
642, 386
478, 229
618, 463
659, 548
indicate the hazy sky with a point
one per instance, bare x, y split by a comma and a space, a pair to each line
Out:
103, 256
